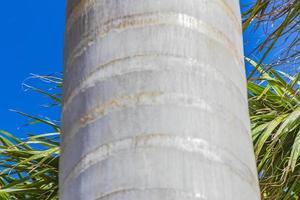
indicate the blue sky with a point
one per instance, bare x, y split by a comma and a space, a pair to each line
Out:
31, 39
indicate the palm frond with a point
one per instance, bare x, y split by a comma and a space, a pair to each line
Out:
29, 168
275, 116
280, 22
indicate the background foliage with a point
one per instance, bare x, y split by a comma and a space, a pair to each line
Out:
275, 118
278, 21
29, 167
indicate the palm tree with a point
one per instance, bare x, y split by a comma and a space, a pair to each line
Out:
29, 166
155, 102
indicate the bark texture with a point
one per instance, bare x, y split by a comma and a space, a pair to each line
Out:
155, 103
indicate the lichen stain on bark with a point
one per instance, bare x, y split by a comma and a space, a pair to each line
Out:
142, 98
120, 102
148, 98
151, 19
99, 74
163, 140
84, 6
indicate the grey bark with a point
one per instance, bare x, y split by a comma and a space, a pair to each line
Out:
155, 103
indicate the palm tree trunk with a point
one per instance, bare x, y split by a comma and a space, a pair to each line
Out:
155, 102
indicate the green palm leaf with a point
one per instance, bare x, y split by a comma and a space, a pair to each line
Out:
29, 168
275, 117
